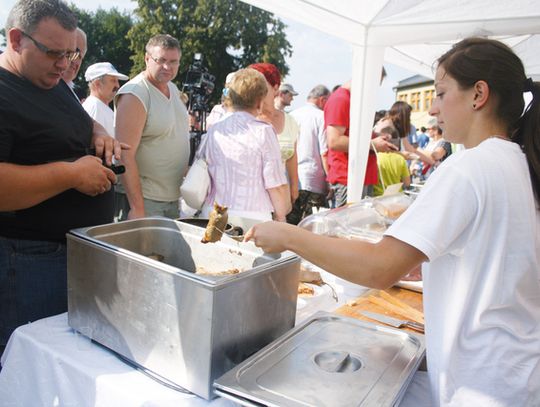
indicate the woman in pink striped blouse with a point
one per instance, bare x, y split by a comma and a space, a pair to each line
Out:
243, 156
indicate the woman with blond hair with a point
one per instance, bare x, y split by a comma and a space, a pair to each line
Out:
243, 157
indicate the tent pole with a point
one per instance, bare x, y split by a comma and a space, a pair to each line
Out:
366, 74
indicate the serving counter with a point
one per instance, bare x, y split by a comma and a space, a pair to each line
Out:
47, 363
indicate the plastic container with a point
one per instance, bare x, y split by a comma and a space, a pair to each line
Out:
391, 207
360, 221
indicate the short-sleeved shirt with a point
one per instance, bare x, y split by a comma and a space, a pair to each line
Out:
163, 153
311, 144
477, 222
39, 126
244, 161
100, 112
392, 169
337, 113
287, 138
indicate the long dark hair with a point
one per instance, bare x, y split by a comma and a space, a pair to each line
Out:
475, 59
400, 114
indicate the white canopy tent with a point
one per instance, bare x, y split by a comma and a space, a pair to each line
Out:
412, 34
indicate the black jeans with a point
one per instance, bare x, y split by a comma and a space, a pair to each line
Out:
33, 282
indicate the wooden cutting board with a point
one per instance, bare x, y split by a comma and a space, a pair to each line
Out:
411, 298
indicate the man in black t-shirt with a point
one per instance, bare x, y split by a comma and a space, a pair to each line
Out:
49, 184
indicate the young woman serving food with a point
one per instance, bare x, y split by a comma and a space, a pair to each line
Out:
481, 241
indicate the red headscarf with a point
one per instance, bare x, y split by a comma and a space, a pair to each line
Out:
270, 72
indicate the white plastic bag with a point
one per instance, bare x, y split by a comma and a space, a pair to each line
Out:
195, 187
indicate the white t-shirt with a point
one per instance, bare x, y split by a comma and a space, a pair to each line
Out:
311, 144
100, 112
476, 220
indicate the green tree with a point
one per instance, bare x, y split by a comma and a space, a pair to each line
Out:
106, 32
230, 35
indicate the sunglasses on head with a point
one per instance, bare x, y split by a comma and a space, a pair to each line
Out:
54, 54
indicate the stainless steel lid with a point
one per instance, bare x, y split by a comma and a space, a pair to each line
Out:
329, 360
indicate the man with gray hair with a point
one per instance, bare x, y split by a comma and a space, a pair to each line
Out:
153, 120
102, 79
50, 183
311, 148
70, 74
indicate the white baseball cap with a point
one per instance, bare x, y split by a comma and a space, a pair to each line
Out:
103, 68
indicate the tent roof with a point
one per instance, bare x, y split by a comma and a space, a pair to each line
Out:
416, 32
411, 34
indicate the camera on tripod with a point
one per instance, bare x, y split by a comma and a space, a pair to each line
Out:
198, 86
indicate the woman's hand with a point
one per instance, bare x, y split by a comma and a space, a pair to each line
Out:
272, 237
281, 201
382, 145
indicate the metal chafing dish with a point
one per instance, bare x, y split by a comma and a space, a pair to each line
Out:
184, 327
329, 360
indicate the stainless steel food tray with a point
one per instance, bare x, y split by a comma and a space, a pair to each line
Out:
187, 328
329, 360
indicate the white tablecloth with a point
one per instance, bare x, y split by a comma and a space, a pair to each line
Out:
46, 363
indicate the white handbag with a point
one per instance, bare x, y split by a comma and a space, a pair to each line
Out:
196, 184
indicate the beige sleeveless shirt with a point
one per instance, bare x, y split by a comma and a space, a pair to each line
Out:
163, 152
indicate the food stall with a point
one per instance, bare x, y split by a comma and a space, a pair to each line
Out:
157, 318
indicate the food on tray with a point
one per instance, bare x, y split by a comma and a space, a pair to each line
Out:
308, 276
217, 223
305, 290
203, 272
391, 210
391, 207
312, 277
352, 303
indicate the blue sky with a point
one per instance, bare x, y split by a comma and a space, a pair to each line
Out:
317, 58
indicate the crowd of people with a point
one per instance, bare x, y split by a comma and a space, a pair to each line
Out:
58, 147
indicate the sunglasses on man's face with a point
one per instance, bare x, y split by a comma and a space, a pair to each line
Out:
162, 61
54, 54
